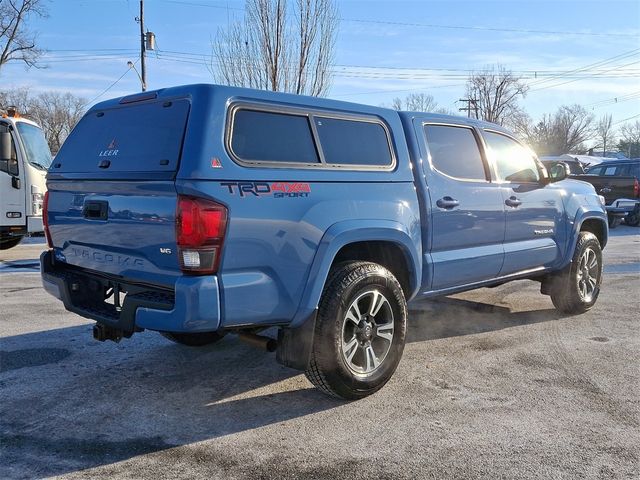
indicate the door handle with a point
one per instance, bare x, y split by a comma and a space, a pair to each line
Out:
605, 190
447, 203
513, 201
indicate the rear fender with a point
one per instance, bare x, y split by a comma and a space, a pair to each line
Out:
344, 233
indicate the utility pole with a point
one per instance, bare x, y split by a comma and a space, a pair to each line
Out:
143, 66
469, 102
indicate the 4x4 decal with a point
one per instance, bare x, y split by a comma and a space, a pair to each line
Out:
276, 189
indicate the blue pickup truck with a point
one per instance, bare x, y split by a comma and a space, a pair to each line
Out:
200, 210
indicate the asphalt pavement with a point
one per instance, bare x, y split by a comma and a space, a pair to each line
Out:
493, 384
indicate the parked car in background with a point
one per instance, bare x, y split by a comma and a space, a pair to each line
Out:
619, 182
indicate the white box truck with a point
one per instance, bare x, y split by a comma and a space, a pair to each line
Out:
24, 160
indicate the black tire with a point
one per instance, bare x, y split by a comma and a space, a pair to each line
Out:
348, 284
614, 221
9, 243
575, 290
199, 339
633, 218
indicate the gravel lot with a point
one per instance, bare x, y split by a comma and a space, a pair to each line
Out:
493, 384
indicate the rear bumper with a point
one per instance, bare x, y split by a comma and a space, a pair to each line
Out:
193, 305
12, 231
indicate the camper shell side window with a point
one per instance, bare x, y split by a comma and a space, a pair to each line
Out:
265, 135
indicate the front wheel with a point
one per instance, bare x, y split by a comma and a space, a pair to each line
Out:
576, 289
360, 331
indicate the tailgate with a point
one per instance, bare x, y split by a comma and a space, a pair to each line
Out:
126, 229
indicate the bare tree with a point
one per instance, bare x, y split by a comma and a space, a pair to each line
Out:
629, 142
57, 113
564, 131
605, 132
268, 51
496, 92
418, 102
17, 42
17, 97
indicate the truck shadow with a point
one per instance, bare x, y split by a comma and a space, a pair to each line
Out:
70, 403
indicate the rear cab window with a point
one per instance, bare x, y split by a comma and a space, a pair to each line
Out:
274, 136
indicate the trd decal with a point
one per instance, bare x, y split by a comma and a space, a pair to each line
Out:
276, 190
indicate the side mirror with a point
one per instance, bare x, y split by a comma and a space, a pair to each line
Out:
559, 172
5, 146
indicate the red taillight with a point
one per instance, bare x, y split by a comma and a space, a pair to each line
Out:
45, 218
200, 228
636, 188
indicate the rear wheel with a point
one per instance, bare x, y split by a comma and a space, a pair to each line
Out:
633, 218
576, 289
199, 339
9, 243
360, 331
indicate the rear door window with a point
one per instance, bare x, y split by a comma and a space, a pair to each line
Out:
454, 152
144, 137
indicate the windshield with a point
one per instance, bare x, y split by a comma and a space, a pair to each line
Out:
35, 145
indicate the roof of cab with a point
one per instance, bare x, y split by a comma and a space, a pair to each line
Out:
453, 119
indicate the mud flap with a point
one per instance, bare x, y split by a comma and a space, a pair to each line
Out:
295, 344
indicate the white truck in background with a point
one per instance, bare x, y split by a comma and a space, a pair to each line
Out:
24, 160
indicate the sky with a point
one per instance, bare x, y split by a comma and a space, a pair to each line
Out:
585, 52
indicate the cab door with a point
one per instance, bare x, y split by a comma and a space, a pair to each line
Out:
467, 219
533, 208
12, 197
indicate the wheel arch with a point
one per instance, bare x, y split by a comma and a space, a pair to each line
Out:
381, 241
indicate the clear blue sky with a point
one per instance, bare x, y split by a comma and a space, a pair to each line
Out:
384, 49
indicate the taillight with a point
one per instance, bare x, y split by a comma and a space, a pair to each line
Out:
45, 218
636, 188
200, 228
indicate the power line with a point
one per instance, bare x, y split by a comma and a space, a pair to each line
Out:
364, 71
613, 100
592, 65
109, 87
589, 76
433, 25
492, 29
627, 119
